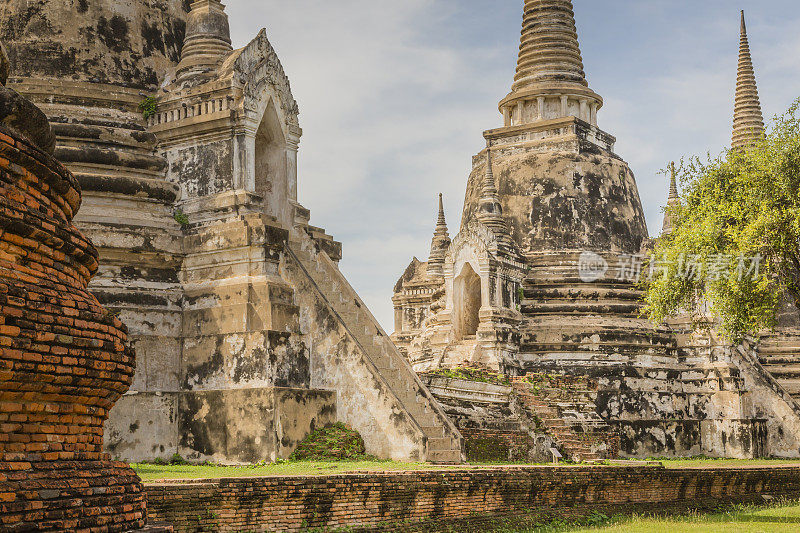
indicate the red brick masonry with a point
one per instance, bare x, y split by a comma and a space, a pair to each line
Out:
64, 360
363, 500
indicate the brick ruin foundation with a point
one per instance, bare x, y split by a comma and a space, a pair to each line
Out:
64, 359
446, 501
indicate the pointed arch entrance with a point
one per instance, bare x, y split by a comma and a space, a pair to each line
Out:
467, 300
270, 160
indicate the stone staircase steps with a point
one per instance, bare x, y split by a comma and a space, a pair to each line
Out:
786, 371
567, 413
779, 354
792, 386
443, 439
544, 292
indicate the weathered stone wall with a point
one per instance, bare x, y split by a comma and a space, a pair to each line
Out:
250, 425
366, 500
64, 359
100, 41
574, 196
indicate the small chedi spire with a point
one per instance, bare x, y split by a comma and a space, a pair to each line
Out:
439, 244
550, 81
208, 38
490, 211
748, 121
672, 201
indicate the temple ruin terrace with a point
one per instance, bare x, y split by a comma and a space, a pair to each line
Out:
166, 298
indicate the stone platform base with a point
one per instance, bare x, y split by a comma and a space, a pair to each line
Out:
223, 426
733, 438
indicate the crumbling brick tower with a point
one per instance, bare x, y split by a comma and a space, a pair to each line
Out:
64, 359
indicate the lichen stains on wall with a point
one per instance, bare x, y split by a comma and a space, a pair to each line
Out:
108, 41
565, 201
203, 170
261, 358
250, 425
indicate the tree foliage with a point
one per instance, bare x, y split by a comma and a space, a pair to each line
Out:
734, 210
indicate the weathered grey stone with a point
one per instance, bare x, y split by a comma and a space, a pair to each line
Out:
548, 192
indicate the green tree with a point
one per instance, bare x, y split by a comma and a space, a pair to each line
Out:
735, 244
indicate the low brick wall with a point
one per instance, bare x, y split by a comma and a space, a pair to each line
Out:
364, 500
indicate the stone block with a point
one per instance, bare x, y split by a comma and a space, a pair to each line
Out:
143, 427
250, 425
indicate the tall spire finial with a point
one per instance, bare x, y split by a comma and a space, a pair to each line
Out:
672, 200
549, 49
550, 81
748, 121
208, 38
439, 243
441, 222
673, 185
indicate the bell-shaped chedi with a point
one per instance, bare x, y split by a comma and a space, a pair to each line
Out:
89, 65
564, 195
64, 359
118, 42
748, 120
560, 184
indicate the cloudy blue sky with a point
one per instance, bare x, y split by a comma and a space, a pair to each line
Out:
394, 97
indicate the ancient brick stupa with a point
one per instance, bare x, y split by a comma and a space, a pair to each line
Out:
64, 360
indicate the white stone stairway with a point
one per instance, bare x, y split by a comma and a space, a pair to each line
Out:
444, 442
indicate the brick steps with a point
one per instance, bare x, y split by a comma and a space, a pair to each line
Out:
443, 439
567, 413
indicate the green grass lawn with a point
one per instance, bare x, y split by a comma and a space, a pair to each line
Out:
153, 472
742, 519
776, 518
702, 463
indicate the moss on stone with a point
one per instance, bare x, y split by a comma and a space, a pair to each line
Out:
149, 107
479, 375
337, 442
